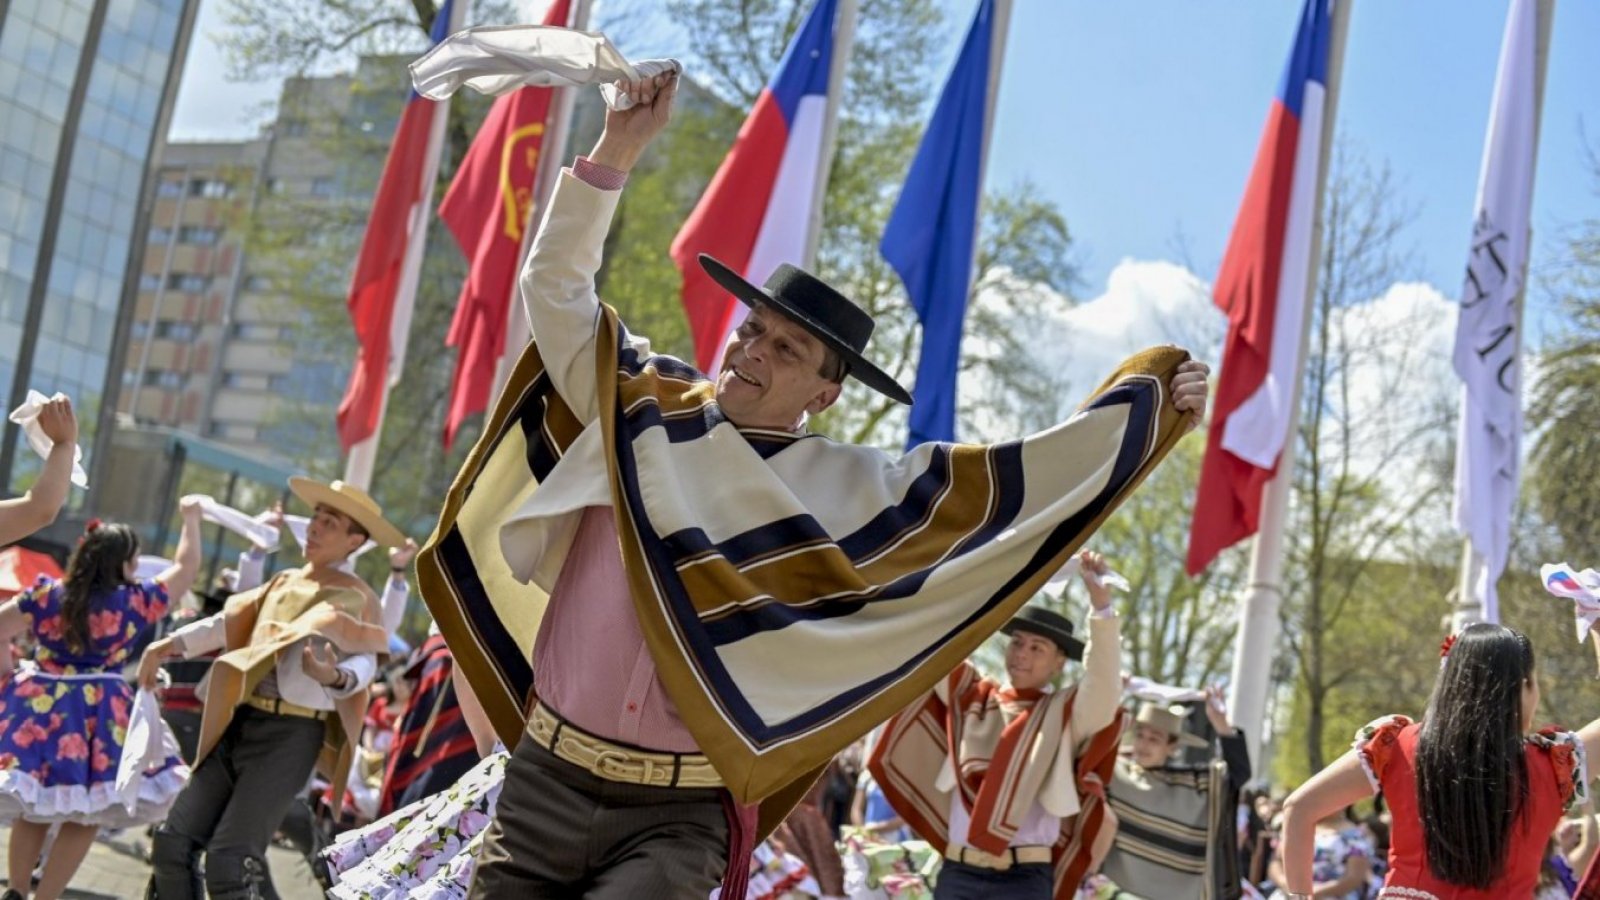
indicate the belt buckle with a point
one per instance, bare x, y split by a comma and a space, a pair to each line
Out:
615, 759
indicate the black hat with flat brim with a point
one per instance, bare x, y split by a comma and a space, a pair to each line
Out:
1047, 624
828, 315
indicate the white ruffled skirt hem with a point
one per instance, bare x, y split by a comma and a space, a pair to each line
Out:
23, 797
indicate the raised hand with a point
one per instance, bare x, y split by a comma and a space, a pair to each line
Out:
1093, 569
1217, 712
629, 131
58, 423
1189, 387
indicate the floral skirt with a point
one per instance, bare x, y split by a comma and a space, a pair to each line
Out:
61, 740
426, 851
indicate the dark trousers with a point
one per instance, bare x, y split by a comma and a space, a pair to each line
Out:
562, 832
232, 806
959, 881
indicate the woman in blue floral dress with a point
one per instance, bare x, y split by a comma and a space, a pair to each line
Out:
64, 716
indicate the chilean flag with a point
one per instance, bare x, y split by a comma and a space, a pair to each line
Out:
754, 214
391, 227
1262, 288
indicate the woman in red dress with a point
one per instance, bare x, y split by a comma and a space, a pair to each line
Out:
1474, 793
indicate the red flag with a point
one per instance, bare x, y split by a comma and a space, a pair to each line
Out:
377, 278
1262, 288
486, 209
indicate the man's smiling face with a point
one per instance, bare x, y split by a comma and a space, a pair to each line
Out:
772, 374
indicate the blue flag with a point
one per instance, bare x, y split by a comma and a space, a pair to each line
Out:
932, 232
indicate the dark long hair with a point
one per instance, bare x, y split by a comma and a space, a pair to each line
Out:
1472, 776
94, 569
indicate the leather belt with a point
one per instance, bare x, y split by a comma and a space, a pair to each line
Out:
617, 762
1014, 856
281, 707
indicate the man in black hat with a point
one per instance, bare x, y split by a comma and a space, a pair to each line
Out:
609, 794
990, 772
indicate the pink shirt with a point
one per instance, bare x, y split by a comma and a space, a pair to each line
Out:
590, 662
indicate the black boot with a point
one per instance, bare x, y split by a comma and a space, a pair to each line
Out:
174, 868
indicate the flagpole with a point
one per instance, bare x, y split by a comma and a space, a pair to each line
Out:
1254, 647
844, 41
997, 56
1469, 602
552, 159
364, 455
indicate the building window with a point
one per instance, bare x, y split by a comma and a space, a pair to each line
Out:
199, 234
176, 331
139, 330
160, 236
255, 331
169, 188
214, 188
278, 384
193, 284
257, 283
149, 281
324, 187
163, 378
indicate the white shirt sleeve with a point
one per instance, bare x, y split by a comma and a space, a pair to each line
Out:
395, 593
202, 636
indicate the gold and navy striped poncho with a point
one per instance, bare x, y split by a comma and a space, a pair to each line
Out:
794, 591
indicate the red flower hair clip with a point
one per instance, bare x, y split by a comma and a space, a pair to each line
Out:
1444, 648
89, 528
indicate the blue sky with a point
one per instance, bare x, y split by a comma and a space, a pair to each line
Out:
1140, 118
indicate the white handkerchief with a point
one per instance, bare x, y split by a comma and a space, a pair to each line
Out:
1145, 689
149, 567
148, 744
1070, 571
27, 416
1582, 588
248, 527
495, 60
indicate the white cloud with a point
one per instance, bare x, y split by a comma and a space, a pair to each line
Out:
1145, 303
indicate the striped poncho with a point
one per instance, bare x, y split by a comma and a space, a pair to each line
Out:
793, 591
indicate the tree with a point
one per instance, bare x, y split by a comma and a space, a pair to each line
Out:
1349, 510
1564, 479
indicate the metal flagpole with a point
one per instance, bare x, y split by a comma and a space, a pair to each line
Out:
552, 150
1469, 602
363, 456
844, 41
1254, 647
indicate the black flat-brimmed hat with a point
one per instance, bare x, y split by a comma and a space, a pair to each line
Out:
1047, 624
828, 315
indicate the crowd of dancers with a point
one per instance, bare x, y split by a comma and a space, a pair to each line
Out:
748, 672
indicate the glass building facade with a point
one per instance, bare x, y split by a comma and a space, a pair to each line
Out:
86, 90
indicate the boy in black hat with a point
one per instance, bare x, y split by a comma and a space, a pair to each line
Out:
992, 773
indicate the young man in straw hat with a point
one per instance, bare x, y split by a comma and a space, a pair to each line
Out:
763, 595
287, 695
1177, 825
998, 774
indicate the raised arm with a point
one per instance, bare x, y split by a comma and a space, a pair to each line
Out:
186, 565
22, 516
1100, 691
557, 283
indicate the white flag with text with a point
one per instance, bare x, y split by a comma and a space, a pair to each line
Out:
1488, 343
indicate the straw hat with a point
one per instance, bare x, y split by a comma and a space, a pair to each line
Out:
353, 502
1168, 719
